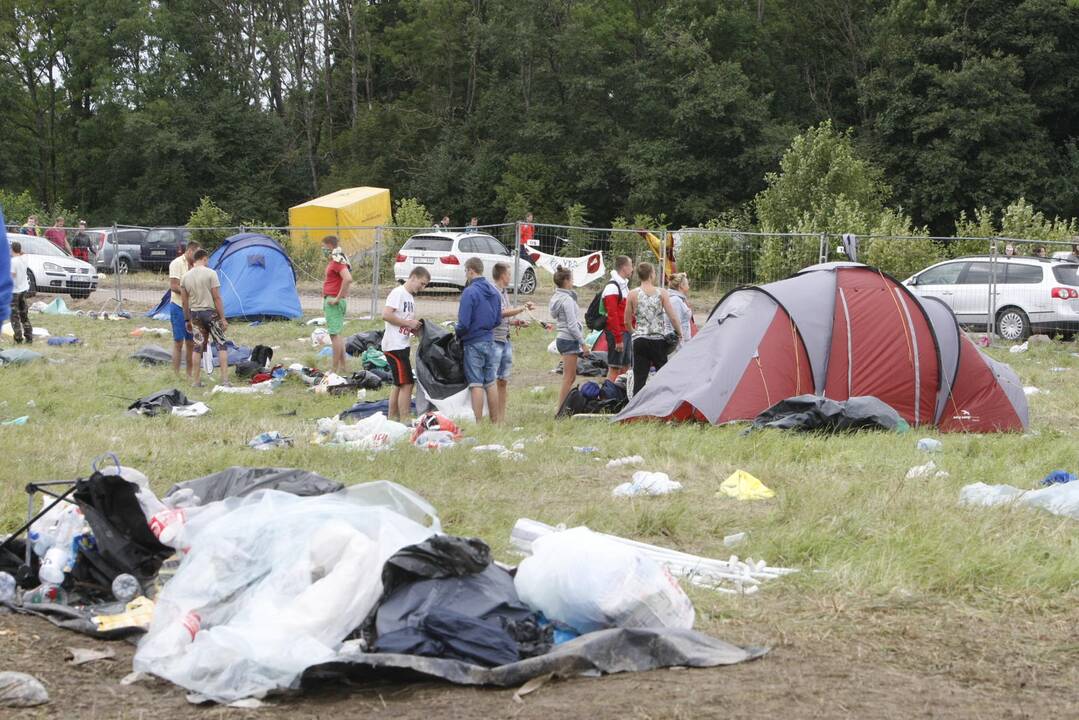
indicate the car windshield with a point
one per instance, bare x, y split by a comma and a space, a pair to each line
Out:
37, 246
1067, 274
156, 236
429, 242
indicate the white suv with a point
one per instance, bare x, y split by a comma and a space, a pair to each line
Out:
444, 255
1032, 294
51, 270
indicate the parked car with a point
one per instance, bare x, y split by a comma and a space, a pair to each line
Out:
444, 255
51, 270
139, 248
1032, 294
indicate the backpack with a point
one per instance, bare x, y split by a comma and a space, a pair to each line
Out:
595, 317
261, 355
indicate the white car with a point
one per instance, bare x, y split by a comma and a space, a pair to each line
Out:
51, 270
444, 255
1032, 294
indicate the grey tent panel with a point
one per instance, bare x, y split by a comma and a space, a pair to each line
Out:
706, 371
809, 299
944, 327
241, 481
1009, 382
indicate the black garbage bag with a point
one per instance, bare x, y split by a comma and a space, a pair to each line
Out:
446, 634
439, 556
123, 542
240, 481
816, 413
159, 402
358, 343
440, 365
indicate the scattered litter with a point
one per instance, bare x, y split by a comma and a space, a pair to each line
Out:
647, 483
1058, 477
586, 450
538, 389
63, 340
81, 656
1062, 499
136, 614
1039, 339
39, 332
930, 445
133, 677
518, 429
320, 337
735, 540
731, 576
925, 471
1031, 390
606, 585
1058, 369
326, 352
743, 486
189, 411
21, 690
519, 445
57, 307
622, 462
160, 332
159, 402
511, 455
269, 441
263, 388
328, 381
1019, 348
31, 404
374, 432
531, 686
320, 321
16, 421
18, 356
489, 448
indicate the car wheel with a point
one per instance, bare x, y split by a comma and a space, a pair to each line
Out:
1013, 324
123, 265
528, 282
33, 284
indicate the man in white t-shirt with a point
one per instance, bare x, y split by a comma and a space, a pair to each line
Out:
399, 315
20, 311
182, 340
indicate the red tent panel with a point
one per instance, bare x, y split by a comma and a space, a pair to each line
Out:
978, 403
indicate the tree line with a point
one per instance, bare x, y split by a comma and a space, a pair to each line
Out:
678, 111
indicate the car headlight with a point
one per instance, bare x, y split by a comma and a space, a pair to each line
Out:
52, 267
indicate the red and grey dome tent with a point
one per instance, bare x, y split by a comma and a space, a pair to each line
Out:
838, 330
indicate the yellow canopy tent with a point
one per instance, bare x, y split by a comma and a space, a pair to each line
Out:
333, 214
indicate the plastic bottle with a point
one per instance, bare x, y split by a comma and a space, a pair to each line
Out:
44, 593
586, 450
929, 445
7, 588
125, 588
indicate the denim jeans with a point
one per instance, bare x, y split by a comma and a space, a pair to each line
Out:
481, 363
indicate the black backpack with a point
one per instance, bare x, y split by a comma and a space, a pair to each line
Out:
595, 317
261, 355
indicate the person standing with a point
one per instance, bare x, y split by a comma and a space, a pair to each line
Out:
80, 243
617, 335
528, 232
479, 313
30, 227
5, 272
501, 274
445, 222
57, 235
678, 292
335, 298
400, 324
645, 308
570, 338
473, 223
183, 343
20, 289
204, 314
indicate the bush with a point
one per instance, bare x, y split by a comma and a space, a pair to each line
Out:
408, 213
712, 254
209, 215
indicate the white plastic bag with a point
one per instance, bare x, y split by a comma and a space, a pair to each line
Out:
588, 582
375, 432
647, 483
272, 583
1060, 499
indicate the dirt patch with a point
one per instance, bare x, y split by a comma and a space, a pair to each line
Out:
892, 665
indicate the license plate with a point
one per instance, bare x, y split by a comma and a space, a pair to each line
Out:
423, 261
157, 252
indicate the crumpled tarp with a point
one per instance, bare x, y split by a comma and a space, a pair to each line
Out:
1060, 499
588, 365
605, 651
361, 341
152, 355
18, 356
813, 412
236, 354
161, 402
240, 481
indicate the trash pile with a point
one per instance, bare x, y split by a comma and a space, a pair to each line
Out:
1060, 495
252, 580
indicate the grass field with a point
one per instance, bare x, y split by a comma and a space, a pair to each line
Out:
905, 601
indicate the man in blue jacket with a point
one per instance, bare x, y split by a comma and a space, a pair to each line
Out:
5, 272
479, 313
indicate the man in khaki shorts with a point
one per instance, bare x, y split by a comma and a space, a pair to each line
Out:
204, 314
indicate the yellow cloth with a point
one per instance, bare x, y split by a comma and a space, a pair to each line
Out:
743, 486
138, 613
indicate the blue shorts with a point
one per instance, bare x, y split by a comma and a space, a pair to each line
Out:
567, 347
481, 363
505, 359
179, 327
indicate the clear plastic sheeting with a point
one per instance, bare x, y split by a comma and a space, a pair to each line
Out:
273, 583
1058, 499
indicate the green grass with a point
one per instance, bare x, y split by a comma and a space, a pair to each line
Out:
862, 535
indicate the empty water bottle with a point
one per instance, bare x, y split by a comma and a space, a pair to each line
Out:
125, 588
7, 588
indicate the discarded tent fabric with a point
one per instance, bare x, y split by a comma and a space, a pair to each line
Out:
18, 356
1062, 499
362, 341
161, 402
839, 330
240, 481
291, 578
813, 412
258, 280
236, 354
152, 355
362, 410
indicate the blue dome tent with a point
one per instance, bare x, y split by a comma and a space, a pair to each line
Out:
257, 278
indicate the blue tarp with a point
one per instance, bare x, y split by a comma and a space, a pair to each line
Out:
257, 278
